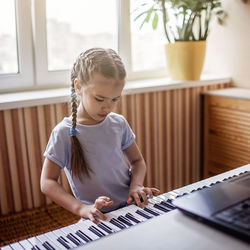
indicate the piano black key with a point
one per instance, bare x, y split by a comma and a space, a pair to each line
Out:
83, 236
167, 204
140, 212
35, 248
63, 242
151, 211
48, 246
106, 228
161, 207
124, 220
131, 217
96, 231
71, 237
117, 223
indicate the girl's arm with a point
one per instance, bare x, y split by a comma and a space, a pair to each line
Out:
137, 190
51, 188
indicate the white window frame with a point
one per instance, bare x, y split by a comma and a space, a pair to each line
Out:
32, 42
44, 77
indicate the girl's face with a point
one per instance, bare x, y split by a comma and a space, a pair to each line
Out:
97, 98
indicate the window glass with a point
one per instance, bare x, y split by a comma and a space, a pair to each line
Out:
76, 25
8, 40
147, 45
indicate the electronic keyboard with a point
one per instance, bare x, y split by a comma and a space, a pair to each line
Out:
85, 231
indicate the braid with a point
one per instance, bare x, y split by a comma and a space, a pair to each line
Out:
78, 161
96, 60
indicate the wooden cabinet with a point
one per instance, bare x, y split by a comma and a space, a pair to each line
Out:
226, 123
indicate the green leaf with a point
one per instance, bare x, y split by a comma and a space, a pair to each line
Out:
155, 21
141, 14
149, 14
186, 13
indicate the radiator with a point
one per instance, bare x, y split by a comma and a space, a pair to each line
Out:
167, 125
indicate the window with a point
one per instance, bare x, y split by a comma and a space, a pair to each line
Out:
8, 43
16, 66
147, 48
40, 41
84, 29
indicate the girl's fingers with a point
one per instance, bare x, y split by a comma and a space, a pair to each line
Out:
137, 200
100, 203
105, 198
155, 191
144, 197
148, 191
142, 193
130, 199
95, 215
100, 215
93, 218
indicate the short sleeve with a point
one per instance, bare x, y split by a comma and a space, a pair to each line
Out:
57, 148
128, 135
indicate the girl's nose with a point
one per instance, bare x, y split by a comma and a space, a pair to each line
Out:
107, 106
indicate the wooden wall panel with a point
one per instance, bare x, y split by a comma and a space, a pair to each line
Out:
226, 131
166, 124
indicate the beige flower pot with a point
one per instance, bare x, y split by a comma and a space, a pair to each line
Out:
185, 59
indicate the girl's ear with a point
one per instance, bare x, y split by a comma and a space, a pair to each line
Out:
78, 86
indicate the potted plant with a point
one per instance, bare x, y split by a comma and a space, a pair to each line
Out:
186, 25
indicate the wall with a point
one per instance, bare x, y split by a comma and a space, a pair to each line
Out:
228, 46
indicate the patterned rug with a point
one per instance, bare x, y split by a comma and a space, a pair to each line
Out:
34, 222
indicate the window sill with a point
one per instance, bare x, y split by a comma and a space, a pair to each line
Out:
45, 97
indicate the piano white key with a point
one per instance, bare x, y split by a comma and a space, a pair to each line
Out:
25, 244
59, 233
35, 242
6, 248
157, 199
166, 196
16, 246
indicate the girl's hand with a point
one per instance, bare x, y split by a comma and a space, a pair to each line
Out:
93, 212
137, 192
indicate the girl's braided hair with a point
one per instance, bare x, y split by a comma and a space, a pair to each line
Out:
96, 60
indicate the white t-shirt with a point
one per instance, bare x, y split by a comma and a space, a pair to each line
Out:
103, 144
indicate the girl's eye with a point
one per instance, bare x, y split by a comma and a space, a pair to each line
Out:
115, 100
99, 100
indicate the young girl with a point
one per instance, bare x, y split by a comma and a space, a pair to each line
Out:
91, 144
